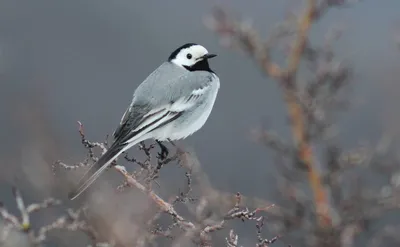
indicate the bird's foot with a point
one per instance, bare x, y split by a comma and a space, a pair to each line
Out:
164, 151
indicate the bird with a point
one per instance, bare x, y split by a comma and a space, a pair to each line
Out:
172, 103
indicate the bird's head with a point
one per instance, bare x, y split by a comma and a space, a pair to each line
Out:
191, 56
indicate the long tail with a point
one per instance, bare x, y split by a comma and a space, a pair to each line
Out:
99, 167
148, 124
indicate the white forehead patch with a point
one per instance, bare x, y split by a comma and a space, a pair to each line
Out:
189, 56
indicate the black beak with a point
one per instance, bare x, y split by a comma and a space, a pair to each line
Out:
208, 56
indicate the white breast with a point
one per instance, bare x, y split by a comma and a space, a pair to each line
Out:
189, 124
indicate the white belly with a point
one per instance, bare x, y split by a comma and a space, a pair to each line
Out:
193, 121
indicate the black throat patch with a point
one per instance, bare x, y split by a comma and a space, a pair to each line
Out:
201, 65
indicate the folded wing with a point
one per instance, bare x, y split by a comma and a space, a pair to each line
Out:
137, 121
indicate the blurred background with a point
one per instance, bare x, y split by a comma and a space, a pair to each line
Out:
68, 61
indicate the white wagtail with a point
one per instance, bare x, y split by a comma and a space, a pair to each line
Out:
173, 102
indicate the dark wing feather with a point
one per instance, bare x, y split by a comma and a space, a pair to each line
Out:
133, 116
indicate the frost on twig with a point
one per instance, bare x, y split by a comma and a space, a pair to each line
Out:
23, 221
243, 214
71, 221
232, 240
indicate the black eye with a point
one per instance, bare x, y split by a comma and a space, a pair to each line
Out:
189, 56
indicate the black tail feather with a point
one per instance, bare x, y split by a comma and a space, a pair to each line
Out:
95, 170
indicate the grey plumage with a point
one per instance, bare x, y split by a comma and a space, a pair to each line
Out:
173, 102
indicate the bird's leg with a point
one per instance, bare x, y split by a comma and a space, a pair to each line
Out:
164, 150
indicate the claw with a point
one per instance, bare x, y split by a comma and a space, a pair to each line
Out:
164, 150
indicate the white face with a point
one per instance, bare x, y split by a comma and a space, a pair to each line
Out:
190, 56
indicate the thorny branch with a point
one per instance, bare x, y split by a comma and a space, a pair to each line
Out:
72, 220
190, 228
132, 181
242, 213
